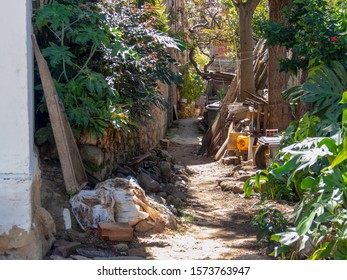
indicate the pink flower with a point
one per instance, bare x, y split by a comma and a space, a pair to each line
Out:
334, 39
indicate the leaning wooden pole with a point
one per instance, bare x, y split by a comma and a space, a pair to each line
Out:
73, 170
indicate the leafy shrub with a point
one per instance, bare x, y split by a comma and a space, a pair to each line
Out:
315, 168
323, 91
192, 85
315, 31
105, 60
269, 221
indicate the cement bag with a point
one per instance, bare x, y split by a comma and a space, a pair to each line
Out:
90, 207
112, 201
123, 192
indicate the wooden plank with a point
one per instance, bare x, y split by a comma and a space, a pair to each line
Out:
266, 117
139, 158
259, 110
217, 126
205, 142
214, 144
221, 150
73, 170
175, 113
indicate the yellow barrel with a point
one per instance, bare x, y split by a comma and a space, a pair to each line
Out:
242, 142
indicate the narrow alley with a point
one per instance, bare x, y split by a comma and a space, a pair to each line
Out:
212, 216
215, 224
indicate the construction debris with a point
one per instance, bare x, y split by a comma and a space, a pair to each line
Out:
240, 122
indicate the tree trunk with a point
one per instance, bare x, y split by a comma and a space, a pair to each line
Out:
280, 113
246, 48
246, 11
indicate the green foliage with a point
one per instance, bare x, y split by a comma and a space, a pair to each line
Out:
306, 127
315, 167
106, 59
273, 187
44, 134
314, 31
323, 91
269, 221
192, 86
320, 217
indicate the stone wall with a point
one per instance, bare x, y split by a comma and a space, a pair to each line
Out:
101, 158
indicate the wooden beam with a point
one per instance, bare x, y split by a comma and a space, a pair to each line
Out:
73, 170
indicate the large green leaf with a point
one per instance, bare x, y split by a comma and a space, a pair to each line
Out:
305, 224
339, 159
55, 14
286, 238
89, 34
306, 127
93, 81
340, 250
324, 89
309, 182
58, 54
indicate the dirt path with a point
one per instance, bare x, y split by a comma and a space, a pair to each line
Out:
215, 224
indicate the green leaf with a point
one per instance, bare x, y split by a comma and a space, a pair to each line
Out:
309, 182
307, 126
330, 144
248, 187
57, 54
57, 14
93, 81
286, 238
324, 218
324, 88
302, 242
89, 34
341, 249
284, 169
323, 252
44, 134
305, 224
341, 157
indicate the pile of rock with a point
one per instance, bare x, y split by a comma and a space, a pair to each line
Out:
144, 194
237, 176
142, 197
88, 246
159, 176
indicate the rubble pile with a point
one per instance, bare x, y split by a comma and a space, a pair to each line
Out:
142, 197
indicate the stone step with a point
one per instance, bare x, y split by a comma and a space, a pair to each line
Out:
115, 231
231, 160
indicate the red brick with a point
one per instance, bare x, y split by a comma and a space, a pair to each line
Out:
116, 231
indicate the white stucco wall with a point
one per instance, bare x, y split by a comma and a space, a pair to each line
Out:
17, 159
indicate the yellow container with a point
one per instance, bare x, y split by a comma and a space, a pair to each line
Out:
242, 142
232, 141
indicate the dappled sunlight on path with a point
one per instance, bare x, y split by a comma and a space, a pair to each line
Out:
214, 224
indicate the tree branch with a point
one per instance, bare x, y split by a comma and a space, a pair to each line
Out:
194, 63
209, 64
198, 25
251, 5
236, 2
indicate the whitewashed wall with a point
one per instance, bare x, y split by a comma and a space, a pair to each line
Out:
17, 159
